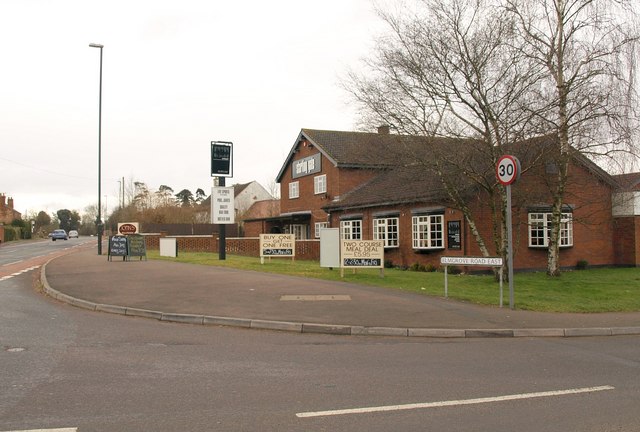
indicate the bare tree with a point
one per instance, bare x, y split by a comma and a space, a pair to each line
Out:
585, 48
453, 68
499, 72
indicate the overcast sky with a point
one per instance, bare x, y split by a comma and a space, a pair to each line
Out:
176, 75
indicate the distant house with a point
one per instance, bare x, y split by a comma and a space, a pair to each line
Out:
7, 213
245, 195
360, 183
626, 210
257, 218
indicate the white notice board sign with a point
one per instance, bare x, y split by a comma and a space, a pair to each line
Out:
222, 205
362, 254
277, 245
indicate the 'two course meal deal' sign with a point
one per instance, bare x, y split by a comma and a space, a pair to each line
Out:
362, 253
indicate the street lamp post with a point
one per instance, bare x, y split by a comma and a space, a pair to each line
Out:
98, 219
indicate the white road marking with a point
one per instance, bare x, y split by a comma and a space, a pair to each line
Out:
12, 263
321, 297
19, 273
47, 430
455, 402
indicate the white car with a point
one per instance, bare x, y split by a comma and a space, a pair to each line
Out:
73, 234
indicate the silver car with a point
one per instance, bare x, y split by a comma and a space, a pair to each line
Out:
59, 234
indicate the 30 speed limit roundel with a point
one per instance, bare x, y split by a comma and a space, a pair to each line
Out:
508, 169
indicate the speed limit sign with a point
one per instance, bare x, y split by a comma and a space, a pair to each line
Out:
508, 169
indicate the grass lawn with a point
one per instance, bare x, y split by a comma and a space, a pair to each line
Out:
594, 290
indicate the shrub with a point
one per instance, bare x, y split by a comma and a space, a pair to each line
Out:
454, 270
417, 267
11, 233
582, 265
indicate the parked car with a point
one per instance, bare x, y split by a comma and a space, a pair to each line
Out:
59, 234
73, 234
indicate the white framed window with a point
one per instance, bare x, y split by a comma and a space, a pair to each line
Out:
428, 231
540, 229
294, 190
320, 184
318, 226
299, 230
387, 230
351, 229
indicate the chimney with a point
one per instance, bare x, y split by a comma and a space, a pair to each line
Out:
10, 203
383, 130
2, 198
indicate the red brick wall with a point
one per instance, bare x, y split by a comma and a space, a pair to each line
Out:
245, 246
627, 240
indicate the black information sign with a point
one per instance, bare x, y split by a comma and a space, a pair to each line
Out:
361, 262
117, 246
221, 159
137, 246
454, 235
277, 252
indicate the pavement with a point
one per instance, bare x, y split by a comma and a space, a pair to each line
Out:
209, 295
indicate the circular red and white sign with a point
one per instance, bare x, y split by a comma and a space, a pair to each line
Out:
508, 170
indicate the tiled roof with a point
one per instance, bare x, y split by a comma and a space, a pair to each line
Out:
363, 149
628, 182
401, 185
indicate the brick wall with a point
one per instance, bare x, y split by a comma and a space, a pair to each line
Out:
244, 246
627, 240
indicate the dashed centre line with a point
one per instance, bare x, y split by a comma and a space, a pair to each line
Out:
19, 273
451, 403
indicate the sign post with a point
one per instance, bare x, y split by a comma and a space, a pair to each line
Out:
221, 167
470, 261
507, 172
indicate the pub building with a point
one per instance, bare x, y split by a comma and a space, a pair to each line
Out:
375, 186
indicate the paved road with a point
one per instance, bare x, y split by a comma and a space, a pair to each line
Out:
18, 257
66, 367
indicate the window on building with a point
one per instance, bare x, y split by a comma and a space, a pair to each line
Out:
294, 190
318, 227
320, 184
299, 230
386, 229
428, 231
351, 229
540, 229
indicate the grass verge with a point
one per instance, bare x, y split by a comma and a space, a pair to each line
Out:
594, 290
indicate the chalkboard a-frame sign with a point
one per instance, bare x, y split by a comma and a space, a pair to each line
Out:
118, 247
137, 246
127, 246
